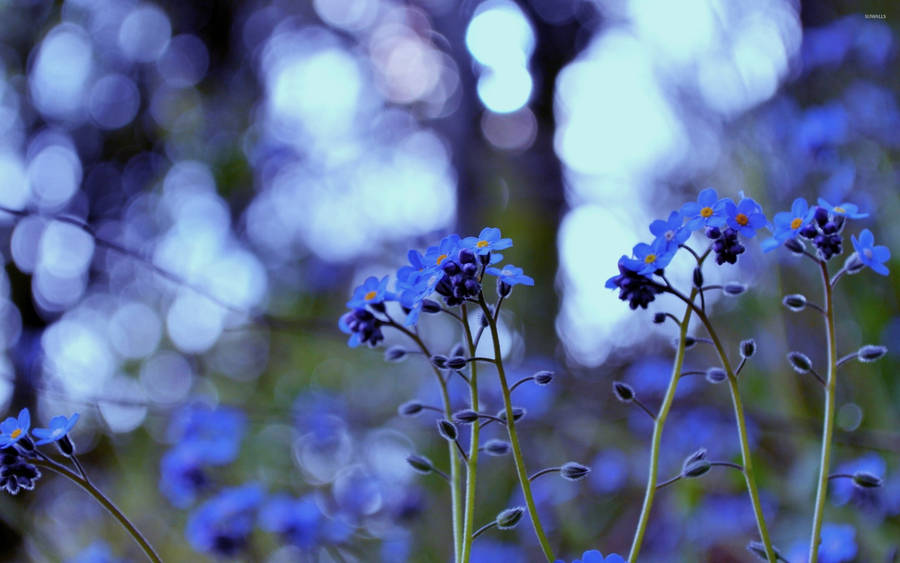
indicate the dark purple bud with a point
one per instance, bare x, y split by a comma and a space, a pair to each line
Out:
450, 267
713, 232
509, 518
503, 288
395, 354
517, 412
543, 377
696, 456
716, 375
439, 361
748, 348
447, 430
800, 362
456, 362
497, 447
429, 306
573, 471
698, 277
794, 245
659, 318
821, 216
469, 269
623, 391
66, 446
866, 480
420, 464
466, 416
695, 468
410, 408
871, 353
733, 289
466, 256
795, 302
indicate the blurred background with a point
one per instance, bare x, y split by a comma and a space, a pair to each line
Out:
191, 190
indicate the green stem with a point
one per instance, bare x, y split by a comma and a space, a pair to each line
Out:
828, 424
472, 468
105, 502
749, 475
513, 436
455, 477
656, 441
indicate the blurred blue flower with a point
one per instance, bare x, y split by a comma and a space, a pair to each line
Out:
594, 556
844, 491
14, 429
848, 210
97, 552
300, 522
396, 548
870, 255
707, 211
486, 550
671, 230
182, 475
838, 543
511, 275
222, 525
214, 433
821, 129
788, 223
609, 471
746, 217
488, 241
371, 292
59, 426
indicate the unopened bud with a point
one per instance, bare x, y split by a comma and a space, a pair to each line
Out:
574, 471
543, 377
447, 430
517, 412
871, 353
695, 469
698, 277
467, 416
696, 456
800, 362
395, 354
623, 391
509, 518
497, 447
439, 361
410, 408
659, 318
456, 362
420, 464
748, 348
430, 306
716, 375
866, 480
794, 302
734, 288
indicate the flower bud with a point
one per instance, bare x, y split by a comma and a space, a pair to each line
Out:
659, 318
716, 375
800, 362
430, 306
65, 446
695, 469
458, 350
623, 391
420, 464
467, 416
517, 412
871, 353
866, 480
748, 348
543, 377
466, 256
696, 456
410, 408
573, 471
456, 362
689, 342
853, 265
698, 277
713, 232
484, 320
733, 289
395, 354
794, 246
795, 302
509, 518
447, 430
497, 447
503, 288
439, 361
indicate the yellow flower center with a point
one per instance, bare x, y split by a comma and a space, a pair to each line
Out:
706, 212
742, 219
482, 243
440, 259
371, 295
650, 258
840, 209
796, 223
16, 433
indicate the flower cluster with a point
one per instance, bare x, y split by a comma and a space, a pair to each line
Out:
17, 448
452, 271
723, 221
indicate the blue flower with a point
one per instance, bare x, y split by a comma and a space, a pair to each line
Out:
672, 230
653, 256
447, 248
370, 292
848, 210
14, 429
787, 224
838, 543
97, 552
300, 522
222, 526
707, 211
182, 475
214, 433
59, 427
487, 241
872, 256
746, 217
594, 556
511, 275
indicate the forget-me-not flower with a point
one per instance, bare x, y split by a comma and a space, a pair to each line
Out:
869, 254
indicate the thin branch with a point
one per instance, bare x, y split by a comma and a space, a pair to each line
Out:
644, 408
544, 472
847, 358
484, 529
